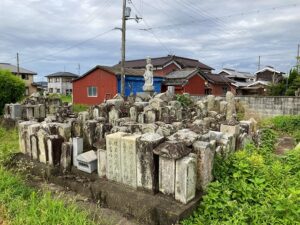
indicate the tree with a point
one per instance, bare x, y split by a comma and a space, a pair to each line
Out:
277, 89
293, 82
12, 88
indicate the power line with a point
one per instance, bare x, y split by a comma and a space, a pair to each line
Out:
195, 21
149, 30
70, 47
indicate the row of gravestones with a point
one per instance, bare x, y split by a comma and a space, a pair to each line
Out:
176, 166
37, 111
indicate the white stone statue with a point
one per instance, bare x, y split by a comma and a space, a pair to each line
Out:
148, 76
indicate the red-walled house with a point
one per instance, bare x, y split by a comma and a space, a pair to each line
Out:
185, 81
195, 82
217, 84
167, 64
95, 86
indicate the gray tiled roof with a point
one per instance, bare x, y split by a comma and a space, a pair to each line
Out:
14, 69
181, 74
62, 74
231, 73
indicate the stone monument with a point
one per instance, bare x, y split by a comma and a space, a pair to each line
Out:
148, 77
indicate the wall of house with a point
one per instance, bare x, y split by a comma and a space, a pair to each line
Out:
268, 76
105, 82
61, 83
135, 84
28, 84
217, 89
195, 86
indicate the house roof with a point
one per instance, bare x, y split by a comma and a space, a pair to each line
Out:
262, 82
241, 84
162, 61
269, 68
14, 69
62, 74
216, 78
115, 70
181, 74
40, 83
236, 74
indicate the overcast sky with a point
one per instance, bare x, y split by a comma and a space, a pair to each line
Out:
57, 35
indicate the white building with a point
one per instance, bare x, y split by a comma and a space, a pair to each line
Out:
61, 82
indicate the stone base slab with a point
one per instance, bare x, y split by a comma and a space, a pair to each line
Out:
146, 208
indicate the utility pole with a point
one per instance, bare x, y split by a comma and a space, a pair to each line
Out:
258, 66
18, 64
78, 68
123, 49
298, 59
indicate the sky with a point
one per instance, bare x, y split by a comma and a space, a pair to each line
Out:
65, 35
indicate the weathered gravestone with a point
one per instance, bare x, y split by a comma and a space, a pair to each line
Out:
186, 178
129, 160
113, 156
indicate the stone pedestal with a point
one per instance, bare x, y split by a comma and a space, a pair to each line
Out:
186, 178
113, 151
128, 160
101, 154
24, 136
205, 159
42, 145
166, 175
77, 149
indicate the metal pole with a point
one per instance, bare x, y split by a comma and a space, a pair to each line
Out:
298, 58
258, 66
18, 65
123, 50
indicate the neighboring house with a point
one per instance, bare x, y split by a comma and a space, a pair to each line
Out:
239, 79
185, 81
269, 74
165, 65
237, 75
24, 74
217, 84
61, 82
195, 82
256, 88
103, 82
41, 86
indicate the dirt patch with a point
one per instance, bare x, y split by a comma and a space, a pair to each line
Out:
3, 217
284, 144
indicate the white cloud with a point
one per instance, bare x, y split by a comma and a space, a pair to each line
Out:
228, 33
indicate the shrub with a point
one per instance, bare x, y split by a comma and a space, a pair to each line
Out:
253, 187
185, 100
12, 88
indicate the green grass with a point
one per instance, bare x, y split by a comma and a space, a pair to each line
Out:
80, 108
64, 98
254, 186
24, 205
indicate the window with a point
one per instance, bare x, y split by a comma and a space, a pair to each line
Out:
57, 90
25, 77
92, 91
50, 90
208, 91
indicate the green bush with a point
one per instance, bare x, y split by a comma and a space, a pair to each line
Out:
12, 88
253, 187
184, 99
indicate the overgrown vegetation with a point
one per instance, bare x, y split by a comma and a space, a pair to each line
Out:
12, 88
23, 205
184, 99
255, 186
80, 108
287, 86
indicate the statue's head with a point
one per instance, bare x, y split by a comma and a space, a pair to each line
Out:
148, 60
